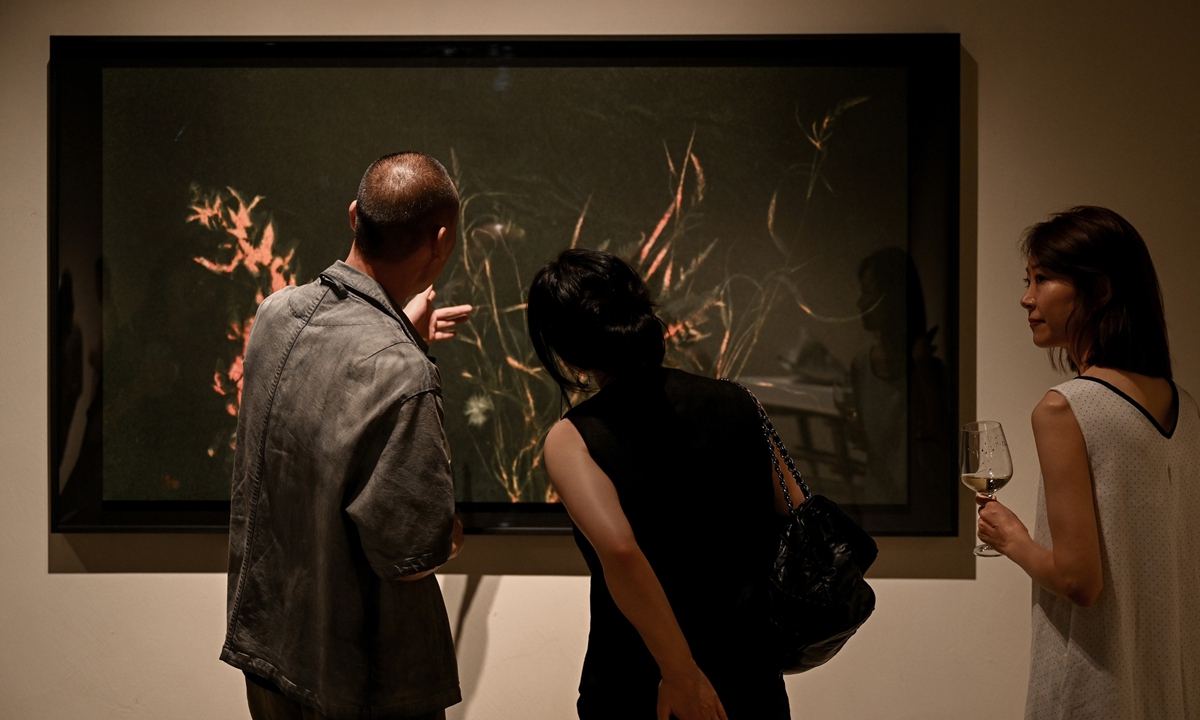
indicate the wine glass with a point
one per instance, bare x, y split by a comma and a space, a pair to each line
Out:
986, 464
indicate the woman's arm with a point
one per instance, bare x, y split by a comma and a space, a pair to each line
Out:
1072, 570
592, 501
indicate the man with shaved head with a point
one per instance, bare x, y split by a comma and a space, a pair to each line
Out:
343, 501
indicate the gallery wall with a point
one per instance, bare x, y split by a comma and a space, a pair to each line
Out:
1066, 103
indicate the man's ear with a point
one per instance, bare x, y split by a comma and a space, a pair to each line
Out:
354, 215
444, 242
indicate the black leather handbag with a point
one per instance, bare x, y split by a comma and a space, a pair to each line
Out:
815, 596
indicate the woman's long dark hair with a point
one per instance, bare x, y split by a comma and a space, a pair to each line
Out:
589, 310
1118, 320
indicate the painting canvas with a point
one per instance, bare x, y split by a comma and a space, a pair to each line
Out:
768, 205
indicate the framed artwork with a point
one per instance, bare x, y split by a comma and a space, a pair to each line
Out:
792, 202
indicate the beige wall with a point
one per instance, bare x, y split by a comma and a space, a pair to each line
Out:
1077, 103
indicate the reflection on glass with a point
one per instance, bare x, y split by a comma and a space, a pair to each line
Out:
854, 422
746, 197
77, 452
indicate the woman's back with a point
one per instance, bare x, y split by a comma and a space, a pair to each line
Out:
690, 464
1135, 653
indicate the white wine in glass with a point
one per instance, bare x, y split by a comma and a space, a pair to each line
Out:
986, 464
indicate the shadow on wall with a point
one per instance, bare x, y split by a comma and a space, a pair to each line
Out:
208, 552
475, 594
138, 553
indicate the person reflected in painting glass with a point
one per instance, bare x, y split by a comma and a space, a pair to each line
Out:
666, 477
70, 361
1115, 548
899, 365
342, 497
80, 498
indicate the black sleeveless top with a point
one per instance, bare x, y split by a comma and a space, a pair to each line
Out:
691, 466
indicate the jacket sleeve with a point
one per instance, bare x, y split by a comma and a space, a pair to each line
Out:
404, 506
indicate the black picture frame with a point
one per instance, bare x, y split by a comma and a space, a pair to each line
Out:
75, 162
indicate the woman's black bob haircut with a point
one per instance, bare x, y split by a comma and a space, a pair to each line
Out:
1118, 320
589, 310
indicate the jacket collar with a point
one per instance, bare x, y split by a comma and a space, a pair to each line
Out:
346, 278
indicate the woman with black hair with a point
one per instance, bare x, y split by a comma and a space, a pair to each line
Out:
1115, 554
667, 479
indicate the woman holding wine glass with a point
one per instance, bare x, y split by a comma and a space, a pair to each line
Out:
1115, 552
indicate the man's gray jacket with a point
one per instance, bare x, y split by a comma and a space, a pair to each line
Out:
341, 485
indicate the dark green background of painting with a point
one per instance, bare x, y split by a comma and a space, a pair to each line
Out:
539, 142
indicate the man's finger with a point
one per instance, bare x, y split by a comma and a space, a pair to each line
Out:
721, 711
454, 311
451, 321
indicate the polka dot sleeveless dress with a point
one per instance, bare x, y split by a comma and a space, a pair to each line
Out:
1135, 653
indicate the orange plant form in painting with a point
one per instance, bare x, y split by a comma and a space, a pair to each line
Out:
246, 252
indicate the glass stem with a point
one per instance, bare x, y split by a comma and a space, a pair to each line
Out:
984, 547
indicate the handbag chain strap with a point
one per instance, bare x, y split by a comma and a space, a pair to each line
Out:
773, 442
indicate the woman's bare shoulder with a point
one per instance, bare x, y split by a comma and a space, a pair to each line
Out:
562, 435
1062, 449
1053, 411
1053, 401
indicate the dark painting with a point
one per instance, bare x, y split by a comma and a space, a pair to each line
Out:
767, 207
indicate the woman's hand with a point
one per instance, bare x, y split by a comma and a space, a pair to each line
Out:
688, 695
999, 526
